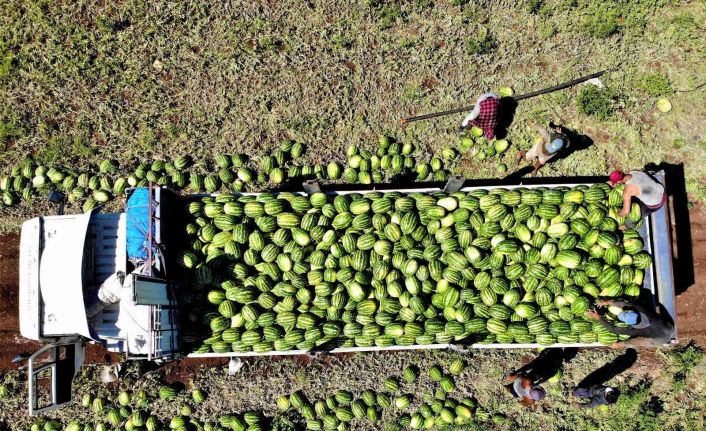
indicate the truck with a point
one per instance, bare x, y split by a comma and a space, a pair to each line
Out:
111, 279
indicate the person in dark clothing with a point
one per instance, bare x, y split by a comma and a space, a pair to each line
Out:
597, 396
647, 328
526, 381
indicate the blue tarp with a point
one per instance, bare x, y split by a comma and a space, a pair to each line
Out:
138, 216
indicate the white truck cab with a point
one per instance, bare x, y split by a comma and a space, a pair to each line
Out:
92, 278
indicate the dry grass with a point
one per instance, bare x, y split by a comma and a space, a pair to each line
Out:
135, 80
141, 80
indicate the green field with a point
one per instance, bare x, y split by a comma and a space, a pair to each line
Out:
142, 81
652, 397
137, 82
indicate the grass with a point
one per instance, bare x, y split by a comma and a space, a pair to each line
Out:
150, 80
484, 43
655, 84
136, 81
596, 102
649, 400
685, 359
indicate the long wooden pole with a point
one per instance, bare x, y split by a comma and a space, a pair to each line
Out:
404, 121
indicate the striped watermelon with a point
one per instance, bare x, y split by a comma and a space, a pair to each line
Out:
495, 326
642, 260
559, 327
593, 195
531, 197
569, 259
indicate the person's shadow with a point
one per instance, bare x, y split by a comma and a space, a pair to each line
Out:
648, 300
609, 370
506, 114
547, 364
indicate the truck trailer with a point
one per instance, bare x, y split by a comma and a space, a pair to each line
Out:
111, 279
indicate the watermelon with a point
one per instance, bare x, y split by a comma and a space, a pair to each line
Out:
402, 402
569, 259
457, 367
167, 393
663, 105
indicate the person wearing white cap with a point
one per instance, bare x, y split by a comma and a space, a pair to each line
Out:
646, 328
553, 141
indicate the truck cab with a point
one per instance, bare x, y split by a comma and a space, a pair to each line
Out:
96, 278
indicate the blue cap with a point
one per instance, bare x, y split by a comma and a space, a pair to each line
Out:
629, 317
555, 145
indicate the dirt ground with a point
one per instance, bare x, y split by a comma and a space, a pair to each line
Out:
11, 343
691, 305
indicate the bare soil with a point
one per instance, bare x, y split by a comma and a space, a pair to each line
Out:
182, 371
11, 342
691, 303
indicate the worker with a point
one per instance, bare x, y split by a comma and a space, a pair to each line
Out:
597, 396
640, 188
484, 115
553, 140
526, 380
524, 387
646, 328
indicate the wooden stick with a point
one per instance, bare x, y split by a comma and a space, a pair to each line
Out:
404, 121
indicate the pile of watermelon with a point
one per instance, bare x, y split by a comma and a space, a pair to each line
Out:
480, 148
292, 271
437, 409
393, 160
99, 184
132, 411
237, 173
398, 399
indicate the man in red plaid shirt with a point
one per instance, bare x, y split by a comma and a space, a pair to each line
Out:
484, 114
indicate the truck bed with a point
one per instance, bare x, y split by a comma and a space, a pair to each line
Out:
128, 327
658, 280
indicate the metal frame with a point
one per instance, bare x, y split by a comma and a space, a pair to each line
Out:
454, 347
156, 332
660, 242
154, 335
150, 225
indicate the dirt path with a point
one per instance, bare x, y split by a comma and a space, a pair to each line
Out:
11, 343
691, 304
